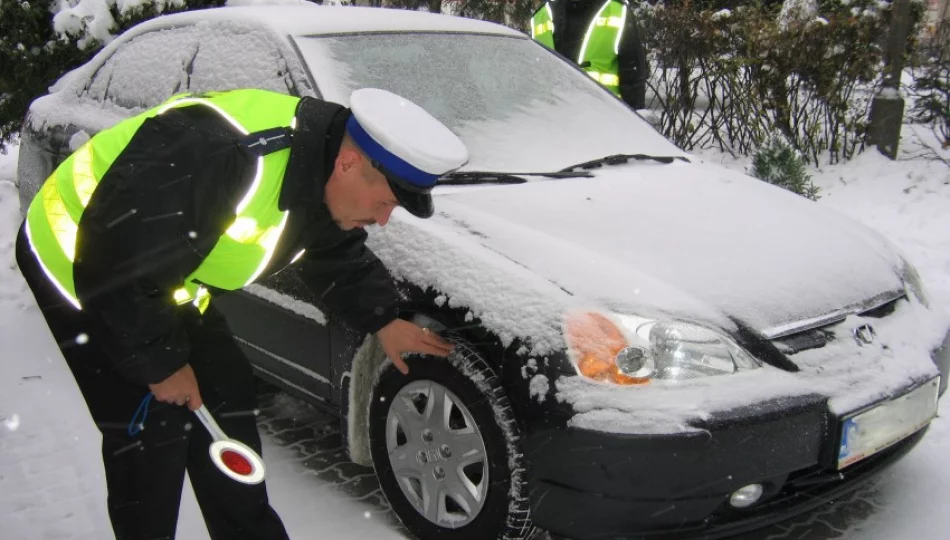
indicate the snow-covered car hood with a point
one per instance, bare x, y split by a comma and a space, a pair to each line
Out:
683, 240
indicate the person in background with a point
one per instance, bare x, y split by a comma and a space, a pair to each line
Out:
602, 37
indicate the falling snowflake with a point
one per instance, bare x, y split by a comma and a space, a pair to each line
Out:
12, 423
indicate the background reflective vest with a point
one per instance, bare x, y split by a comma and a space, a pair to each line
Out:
599, 49
542, 26
238, 257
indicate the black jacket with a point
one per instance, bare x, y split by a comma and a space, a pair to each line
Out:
571, 20
171, 194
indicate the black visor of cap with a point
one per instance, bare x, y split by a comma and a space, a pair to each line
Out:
417, 200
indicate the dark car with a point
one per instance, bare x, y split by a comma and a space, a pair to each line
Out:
647, 344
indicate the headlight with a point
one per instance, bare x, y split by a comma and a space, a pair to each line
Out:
913, 283
634, 350
689, 351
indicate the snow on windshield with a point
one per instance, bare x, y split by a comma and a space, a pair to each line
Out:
92, 19
515, 105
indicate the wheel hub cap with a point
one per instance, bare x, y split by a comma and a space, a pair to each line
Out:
437, 454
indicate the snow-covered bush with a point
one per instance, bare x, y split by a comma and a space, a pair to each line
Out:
932, 87
776, 162
806, 69
512, 13
796, 12
32, 56
432, 6
700, 78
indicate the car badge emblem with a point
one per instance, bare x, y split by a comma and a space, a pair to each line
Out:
864, 334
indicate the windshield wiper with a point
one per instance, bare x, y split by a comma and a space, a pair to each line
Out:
619, 159
483, 177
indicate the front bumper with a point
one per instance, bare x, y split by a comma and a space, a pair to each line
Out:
589, 485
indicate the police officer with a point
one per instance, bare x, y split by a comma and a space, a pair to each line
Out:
133, 234
602, 37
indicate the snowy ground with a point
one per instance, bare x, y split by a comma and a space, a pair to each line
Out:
50, 481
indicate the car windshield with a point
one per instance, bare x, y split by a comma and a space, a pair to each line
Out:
516, 105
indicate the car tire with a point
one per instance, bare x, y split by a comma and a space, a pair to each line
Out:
449, 454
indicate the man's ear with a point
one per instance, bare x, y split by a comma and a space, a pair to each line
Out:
347, 159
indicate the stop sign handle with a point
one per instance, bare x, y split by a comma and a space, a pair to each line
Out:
222, 444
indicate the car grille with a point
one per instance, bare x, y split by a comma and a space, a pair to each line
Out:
814, 338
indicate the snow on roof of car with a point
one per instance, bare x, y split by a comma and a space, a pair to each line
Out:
321, 20
281, 22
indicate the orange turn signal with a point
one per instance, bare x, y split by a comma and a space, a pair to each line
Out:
594, 342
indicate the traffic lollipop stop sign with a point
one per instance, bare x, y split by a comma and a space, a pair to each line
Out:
233, 458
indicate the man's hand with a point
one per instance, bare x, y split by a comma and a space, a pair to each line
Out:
180, 388
402, 336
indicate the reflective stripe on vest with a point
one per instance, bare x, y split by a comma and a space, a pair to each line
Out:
542, 26
602, 44
238, 257
606, 79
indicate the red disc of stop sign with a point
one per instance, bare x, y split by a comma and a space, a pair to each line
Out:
238, 461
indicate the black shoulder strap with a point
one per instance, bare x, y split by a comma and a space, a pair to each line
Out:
261, 143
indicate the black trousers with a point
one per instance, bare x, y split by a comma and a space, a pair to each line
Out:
145, 472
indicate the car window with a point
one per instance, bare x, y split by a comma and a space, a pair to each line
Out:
232, 57
146, 70
517, 106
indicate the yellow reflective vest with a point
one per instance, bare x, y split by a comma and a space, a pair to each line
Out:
237, 258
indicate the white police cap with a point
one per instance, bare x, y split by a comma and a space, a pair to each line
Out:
410, 147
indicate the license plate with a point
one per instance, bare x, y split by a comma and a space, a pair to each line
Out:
868, 432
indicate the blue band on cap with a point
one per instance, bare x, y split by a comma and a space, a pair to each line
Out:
391, 162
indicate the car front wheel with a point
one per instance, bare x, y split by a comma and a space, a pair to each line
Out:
445, 446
